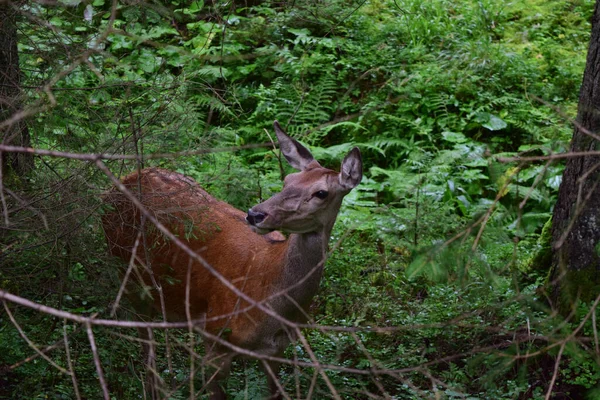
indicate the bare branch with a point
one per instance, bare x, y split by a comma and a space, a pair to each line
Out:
97, 362
102, 156
30, 343
70, 363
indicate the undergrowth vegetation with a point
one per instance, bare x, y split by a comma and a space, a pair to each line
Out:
434, 272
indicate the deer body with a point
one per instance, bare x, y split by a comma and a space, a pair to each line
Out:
282, 275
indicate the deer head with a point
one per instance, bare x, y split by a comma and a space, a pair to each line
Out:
310, 199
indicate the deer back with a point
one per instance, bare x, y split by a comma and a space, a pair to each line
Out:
214, 230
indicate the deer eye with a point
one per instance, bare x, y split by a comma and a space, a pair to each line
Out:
321, 194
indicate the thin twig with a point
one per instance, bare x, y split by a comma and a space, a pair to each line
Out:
197, 324
373, 362
188, 315
595, 329
274, 376
555, 374
103, 156
4, 295
2, 199
313, 384
70, 363
28, 206
97, 363
30, 343
317, 365
126, 276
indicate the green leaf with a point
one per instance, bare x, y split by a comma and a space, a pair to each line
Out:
454, 137
490, 121
120, 42
147, 61
56, 21
554, 182
158, 31
332, 152
194, 8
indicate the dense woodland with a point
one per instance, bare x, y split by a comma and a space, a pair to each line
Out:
443, 280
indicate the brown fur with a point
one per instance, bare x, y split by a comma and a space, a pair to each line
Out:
253, 263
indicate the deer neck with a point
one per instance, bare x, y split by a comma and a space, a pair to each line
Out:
304, 262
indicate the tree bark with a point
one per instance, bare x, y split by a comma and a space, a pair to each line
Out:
575, 272
17, 133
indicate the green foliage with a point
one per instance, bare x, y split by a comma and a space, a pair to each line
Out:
438, 245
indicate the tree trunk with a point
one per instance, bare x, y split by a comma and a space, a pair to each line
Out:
575, 270
17, 133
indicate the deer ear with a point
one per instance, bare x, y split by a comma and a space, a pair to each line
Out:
351, 173
297, 155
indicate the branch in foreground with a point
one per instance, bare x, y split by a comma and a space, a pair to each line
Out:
104, 156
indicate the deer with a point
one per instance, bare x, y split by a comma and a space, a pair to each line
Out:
234, 271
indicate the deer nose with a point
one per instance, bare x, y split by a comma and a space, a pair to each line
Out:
254, 217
